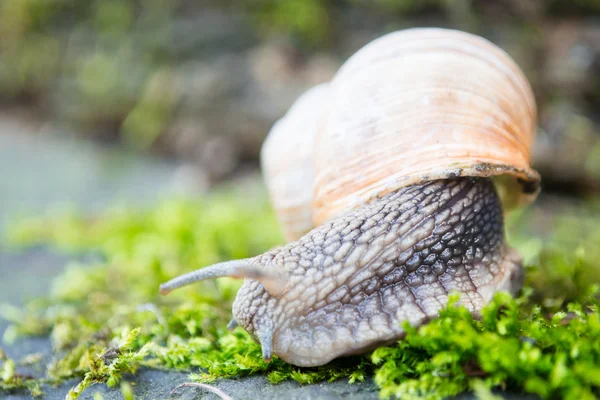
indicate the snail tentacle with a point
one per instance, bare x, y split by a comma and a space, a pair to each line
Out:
265, 336
232, 325
238, 269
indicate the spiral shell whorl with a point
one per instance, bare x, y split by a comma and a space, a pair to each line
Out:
418, 105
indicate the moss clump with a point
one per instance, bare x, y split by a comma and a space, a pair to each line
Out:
11, 380
106, 318
551, 356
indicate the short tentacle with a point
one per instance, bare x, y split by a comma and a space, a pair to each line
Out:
265, 336
232, 325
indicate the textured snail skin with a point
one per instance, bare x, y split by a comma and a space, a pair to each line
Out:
348, 285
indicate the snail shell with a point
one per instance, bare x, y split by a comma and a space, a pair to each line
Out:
410, 107
286, 161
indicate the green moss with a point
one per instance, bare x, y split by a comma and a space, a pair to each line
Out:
106, 318
11, 380
551, 356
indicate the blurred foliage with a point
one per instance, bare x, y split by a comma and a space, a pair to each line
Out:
105, 318
306, 20
561, 249
109, 66
99, 61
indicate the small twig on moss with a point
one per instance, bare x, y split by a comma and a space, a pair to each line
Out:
212, 389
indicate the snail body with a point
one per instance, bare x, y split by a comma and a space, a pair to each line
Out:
423, 215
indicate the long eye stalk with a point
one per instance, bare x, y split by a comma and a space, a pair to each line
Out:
237, 269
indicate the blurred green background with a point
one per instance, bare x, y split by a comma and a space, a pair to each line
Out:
203, 81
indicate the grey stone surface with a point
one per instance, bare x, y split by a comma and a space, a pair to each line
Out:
160, 384
154, 385
42, 169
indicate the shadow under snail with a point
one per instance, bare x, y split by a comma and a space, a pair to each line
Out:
391, 181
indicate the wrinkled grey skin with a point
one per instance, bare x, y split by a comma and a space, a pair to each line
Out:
348, 285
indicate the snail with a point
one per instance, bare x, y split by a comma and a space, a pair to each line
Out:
407, 162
